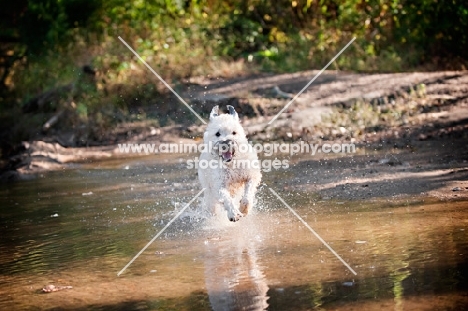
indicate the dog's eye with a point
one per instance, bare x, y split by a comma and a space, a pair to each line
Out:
218, 134
234, 133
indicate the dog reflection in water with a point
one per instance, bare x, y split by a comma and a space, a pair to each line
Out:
233, 276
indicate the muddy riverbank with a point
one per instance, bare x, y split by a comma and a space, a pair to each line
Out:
410, 130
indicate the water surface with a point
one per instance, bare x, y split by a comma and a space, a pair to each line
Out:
81, 227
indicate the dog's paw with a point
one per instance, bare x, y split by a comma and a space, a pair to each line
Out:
235, 218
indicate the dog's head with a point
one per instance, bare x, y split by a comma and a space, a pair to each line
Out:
225, 133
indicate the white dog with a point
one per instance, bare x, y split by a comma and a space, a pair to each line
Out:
233, 173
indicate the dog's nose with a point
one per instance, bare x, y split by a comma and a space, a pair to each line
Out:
228, 142
226, 145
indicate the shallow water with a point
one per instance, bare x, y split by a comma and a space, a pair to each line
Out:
81, 227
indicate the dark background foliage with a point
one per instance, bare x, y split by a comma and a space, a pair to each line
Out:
65, 56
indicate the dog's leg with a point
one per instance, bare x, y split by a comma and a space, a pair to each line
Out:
233, 212
249, 195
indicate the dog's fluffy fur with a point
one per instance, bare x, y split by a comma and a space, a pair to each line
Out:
228, 185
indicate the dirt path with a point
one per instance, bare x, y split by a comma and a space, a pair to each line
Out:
261, 98
411, 130
423, 152
428, 168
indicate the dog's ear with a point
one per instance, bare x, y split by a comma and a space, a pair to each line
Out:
233, 112
214, 112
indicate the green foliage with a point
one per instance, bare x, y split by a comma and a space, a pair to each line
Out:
46, 24
438, 28
49, 41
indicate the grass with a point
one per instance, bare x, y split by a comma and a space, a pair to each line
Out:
360, 117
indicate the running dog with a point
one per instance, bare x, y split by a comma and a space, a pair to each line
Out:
233, 174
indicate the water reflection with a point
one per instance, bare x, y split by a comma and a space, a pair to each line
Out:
399, 276
408, 256
234, 277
